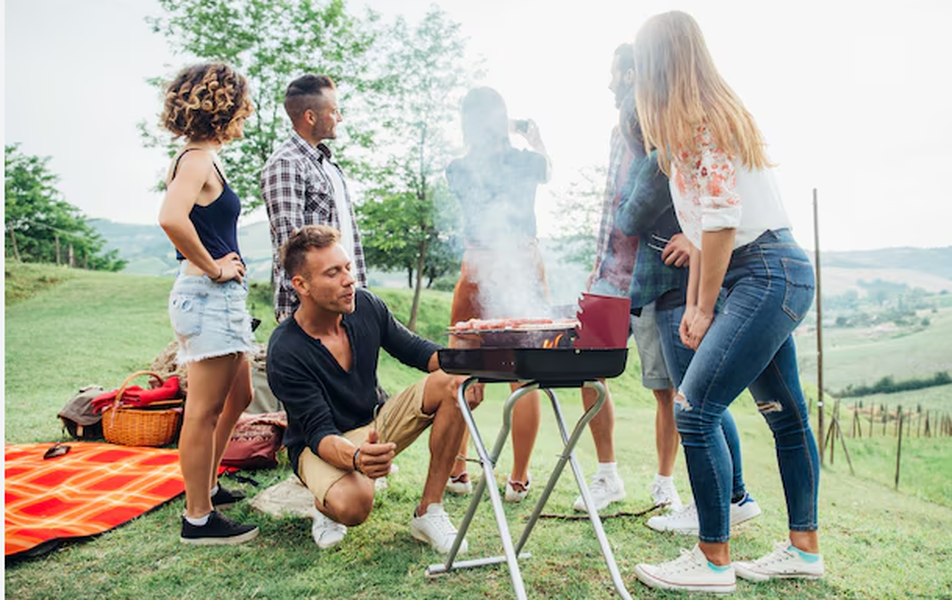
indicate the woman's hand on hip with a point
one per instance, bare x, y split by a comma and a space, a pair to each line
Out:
231, 268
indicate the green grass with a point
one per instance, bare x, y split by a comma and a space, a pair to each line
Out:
95, 328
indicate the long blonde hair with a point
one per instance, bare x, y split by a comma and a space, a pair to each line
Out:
677, 88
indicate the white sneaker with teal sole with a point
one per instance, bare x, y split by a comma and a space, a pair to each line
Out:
691, 572
785, 562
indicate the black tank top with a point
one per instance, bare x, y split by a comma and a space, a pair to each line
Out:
216, 223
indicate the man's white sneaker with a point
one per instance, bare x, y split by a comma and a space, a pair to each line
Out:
605, 489
691, 572
460, 485
682, 521
685, 521
517, 494
785, 562
434, 527
325, 531
664, 492
744, 510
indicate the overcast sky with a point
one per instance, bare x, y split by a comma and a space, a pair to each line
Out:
853, 101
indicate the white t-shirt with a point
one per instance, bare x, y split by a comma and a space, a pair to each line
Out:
347, 240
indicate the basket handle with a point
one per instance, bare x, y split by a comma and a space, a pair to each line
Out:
125, 384
130, 378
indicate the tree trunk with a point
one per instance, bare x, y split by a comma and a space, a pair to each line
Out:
421, 259
56, 241
13, 242
71, 256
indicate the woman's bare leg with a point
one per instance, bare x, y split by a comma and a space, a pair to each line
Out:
209, 382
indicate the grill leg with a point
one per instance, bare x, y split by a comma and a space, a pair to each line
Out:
513, 553
580, 479
488, 481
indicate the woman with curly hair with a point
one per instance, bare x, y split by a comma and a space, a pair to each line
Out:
728, 205
207, 105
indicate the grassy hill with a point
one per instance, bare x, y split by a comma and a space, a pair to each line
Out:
67, 328
150, 253
864, 355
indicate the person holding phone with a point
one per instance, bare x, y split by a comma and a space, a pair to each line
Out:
207, 104
502, 274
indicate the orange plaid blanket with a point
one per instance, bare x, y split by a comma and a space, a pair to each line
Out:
87, 491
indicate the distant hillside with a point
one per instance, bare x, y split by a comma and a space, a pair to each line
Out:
150, 253
933, 261
927, 268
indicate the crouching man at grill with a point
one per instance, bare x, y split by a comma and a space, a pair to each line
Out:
322, 365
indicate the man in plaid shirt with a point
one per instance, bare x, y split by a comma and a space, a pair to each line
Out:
302, 185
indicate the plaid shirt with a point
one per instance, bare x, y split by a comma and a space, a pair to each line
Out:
615, 254
297, 191
646, 210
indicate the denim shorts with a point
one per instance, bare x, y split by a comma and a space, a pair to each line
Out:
209, 319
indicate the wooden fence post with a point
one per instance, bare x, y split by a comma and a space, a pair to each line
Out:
899, 446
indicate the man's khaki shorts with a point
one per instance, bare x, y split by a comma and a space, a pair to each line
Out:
401, 420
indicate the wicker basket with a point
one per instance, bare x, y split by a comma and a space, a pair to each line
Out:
157, 425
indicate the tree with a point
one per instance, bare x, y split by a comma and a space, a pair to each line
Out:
579, 210
271, 42
424, 74
400, 229
40, 226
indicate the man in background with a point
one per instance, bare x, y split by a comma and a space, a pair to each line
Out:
302, 185
612, 275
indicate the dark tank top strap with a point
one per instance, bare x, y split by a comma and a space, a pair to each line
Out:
217, 170
175, 168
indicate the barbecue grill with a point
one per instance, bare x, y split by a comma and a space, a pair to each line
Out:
578, 356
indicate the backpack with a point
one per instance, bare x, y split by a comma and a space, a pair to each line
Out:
78, 416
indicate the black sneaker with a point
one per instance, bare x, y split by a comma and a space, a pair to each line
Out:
219, 531
224, 498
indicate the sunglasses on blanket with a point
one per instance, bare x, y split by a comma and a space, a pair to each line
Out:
57, 449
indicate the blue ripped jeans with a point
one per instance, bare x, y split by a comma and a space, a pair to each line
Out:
677, 357
769, 287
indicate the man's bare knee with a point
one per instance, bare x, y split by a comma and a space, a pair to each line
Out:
349, 501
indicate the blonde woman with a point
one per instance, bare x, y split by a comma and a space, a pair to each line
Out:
207, 104
729, 207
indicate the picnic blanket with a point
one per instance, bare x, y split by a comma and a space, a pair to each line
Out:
91, 489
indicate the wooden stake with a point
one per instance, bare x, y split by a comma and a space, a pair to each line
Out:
819, 327
839, 431
899, 447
